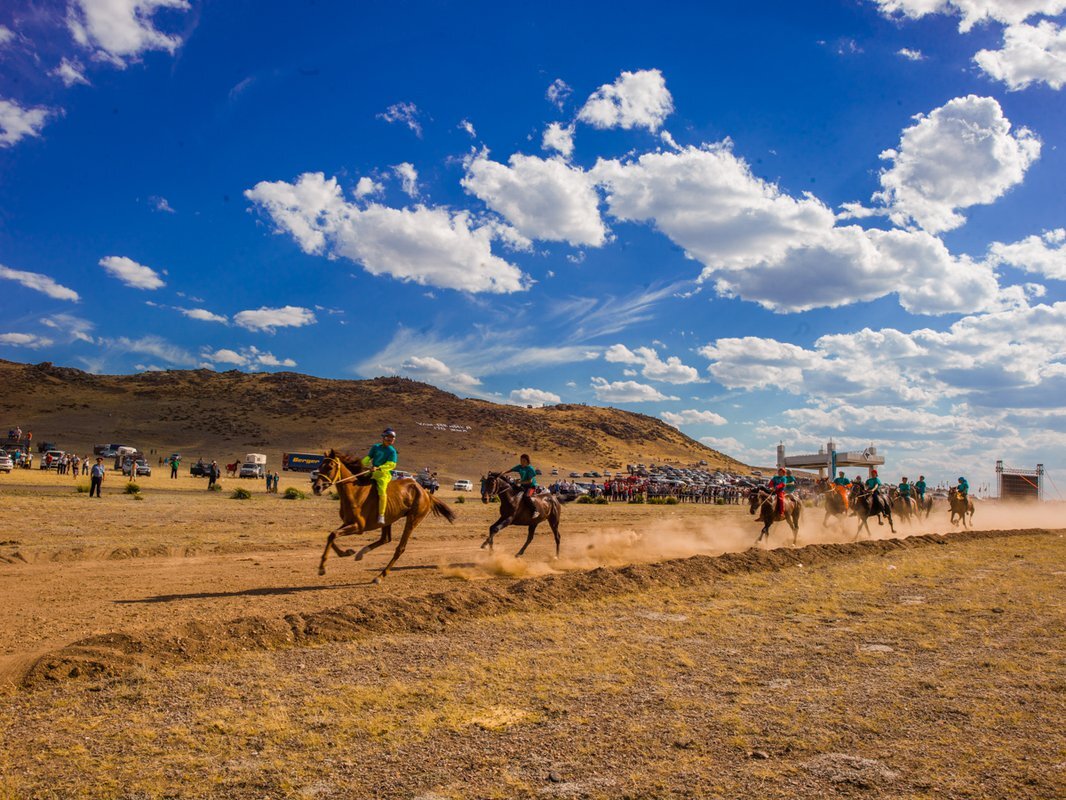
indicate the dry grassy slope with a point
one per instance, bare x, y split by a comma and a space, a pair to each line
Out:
224, 415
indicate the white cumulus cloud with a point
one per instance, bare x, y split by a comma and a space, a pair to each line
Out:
433, 370
959, 155
71, 72
1043, 255
247, 357
560, 138
17, 122
118, 31
203, 314
366, 187
635, 100
131, 273
427, 246
533, 397
1030, 54
269, 319
558, 93
542, 198
692, 416
408, 176
652, 365
626, 392
39, 283
973, 12
406, 113
29, 340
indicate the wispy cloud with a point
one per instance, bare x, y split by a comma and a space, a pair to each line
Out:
39, 283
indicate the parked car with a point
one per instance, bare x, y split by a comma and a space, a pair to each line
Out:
53, 462
463, 486
555, 471
575, 474
428, 482
199, 469
141, 465
6, 464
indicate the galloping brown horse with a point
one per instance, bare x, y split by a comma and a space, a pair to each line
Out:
359, 507
961, 507
763, 503
834, 503
514, 512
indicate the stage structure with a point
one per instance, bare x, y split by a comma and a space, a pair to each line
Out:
1024, 485
828, 459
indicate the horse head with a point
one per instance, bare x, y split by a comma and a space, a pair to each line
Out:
490, 486
327, 474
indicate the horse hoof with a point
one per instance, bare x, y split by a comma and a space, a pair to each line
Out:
376, 580
321, 570
346, 553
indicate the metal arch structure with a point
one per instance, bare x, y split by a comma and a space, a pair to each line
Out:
828, 459
1024, 485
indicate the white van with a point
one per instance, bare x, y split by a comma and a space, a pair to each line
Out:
463, 486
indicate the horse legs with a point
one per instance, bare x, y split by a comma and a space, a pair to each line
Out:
331, 542
385, 538
495, 528
414, 516
553, 520
532, 531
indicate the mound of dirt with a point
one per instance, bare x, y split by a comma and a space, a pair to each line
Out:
117, 655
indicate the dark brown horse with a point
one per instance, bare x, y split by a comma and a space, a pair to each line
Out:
903, 507
515, 511
359, 507
961, 508
763, 504
862, 503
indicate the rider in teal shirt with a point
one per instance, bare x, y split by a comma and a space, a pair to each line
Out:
840, 480
919, 488
381, 461
963, 488
527, 476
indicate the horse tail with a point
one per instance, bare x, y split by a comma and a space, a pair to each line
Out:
441, 509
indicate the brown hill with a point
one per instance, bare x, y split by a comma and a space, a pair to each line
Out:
224, 415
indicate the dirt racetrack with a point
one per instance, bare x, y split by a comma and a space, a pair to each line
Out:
107, 595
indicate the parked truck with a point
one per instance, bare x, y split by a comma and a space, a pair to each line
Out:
301, 462
254, 466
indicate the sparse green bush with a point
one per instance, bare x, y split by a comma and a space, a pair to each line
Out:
494, 499
460, 499
584, 500
719, 501
601, 501
216, 488
138, 496
671, 501
334, 496
132, 488
240, 493
292, 493
81, 488
637, 499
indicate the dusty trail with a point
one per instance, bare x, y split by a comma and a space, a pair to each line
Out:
183, 557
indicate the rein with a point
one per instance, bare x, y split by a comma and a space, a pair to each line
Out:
338, 481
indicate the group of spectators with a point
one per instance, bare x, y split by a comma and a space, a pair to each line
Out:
68, 464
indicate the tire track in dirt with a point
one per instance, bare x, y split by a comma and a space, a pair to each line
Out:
118, 655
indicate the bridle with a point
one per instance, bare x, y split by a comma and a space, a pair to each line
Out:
334, 480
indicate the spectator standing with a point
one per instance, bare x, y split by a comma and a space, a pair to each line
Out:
76, 464
174, 461
96, 477
85, 466
213, 474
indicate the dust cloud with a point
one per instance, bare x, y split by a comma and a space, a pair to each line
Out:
615, 546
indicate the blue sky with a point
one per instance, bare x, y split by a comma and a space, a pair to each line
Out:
787, 223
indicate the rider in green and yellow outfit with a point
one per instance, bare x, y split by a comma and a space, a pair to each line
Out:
527, 476
382, 460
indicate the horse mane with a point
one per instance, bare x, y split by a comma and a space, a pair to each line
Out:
351, 462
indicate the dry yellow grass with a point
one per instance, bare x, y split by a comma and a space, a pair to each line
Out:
944, 665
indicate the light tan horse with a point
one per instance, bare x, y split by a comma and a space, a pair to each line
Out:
961, 508
359, 508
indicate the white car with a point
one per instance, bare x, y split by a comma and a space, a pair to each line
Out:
6, 464
463, 486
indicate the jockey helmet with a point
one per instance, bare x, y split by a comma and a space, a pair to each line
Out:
873, 472
388, 432
961, 478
